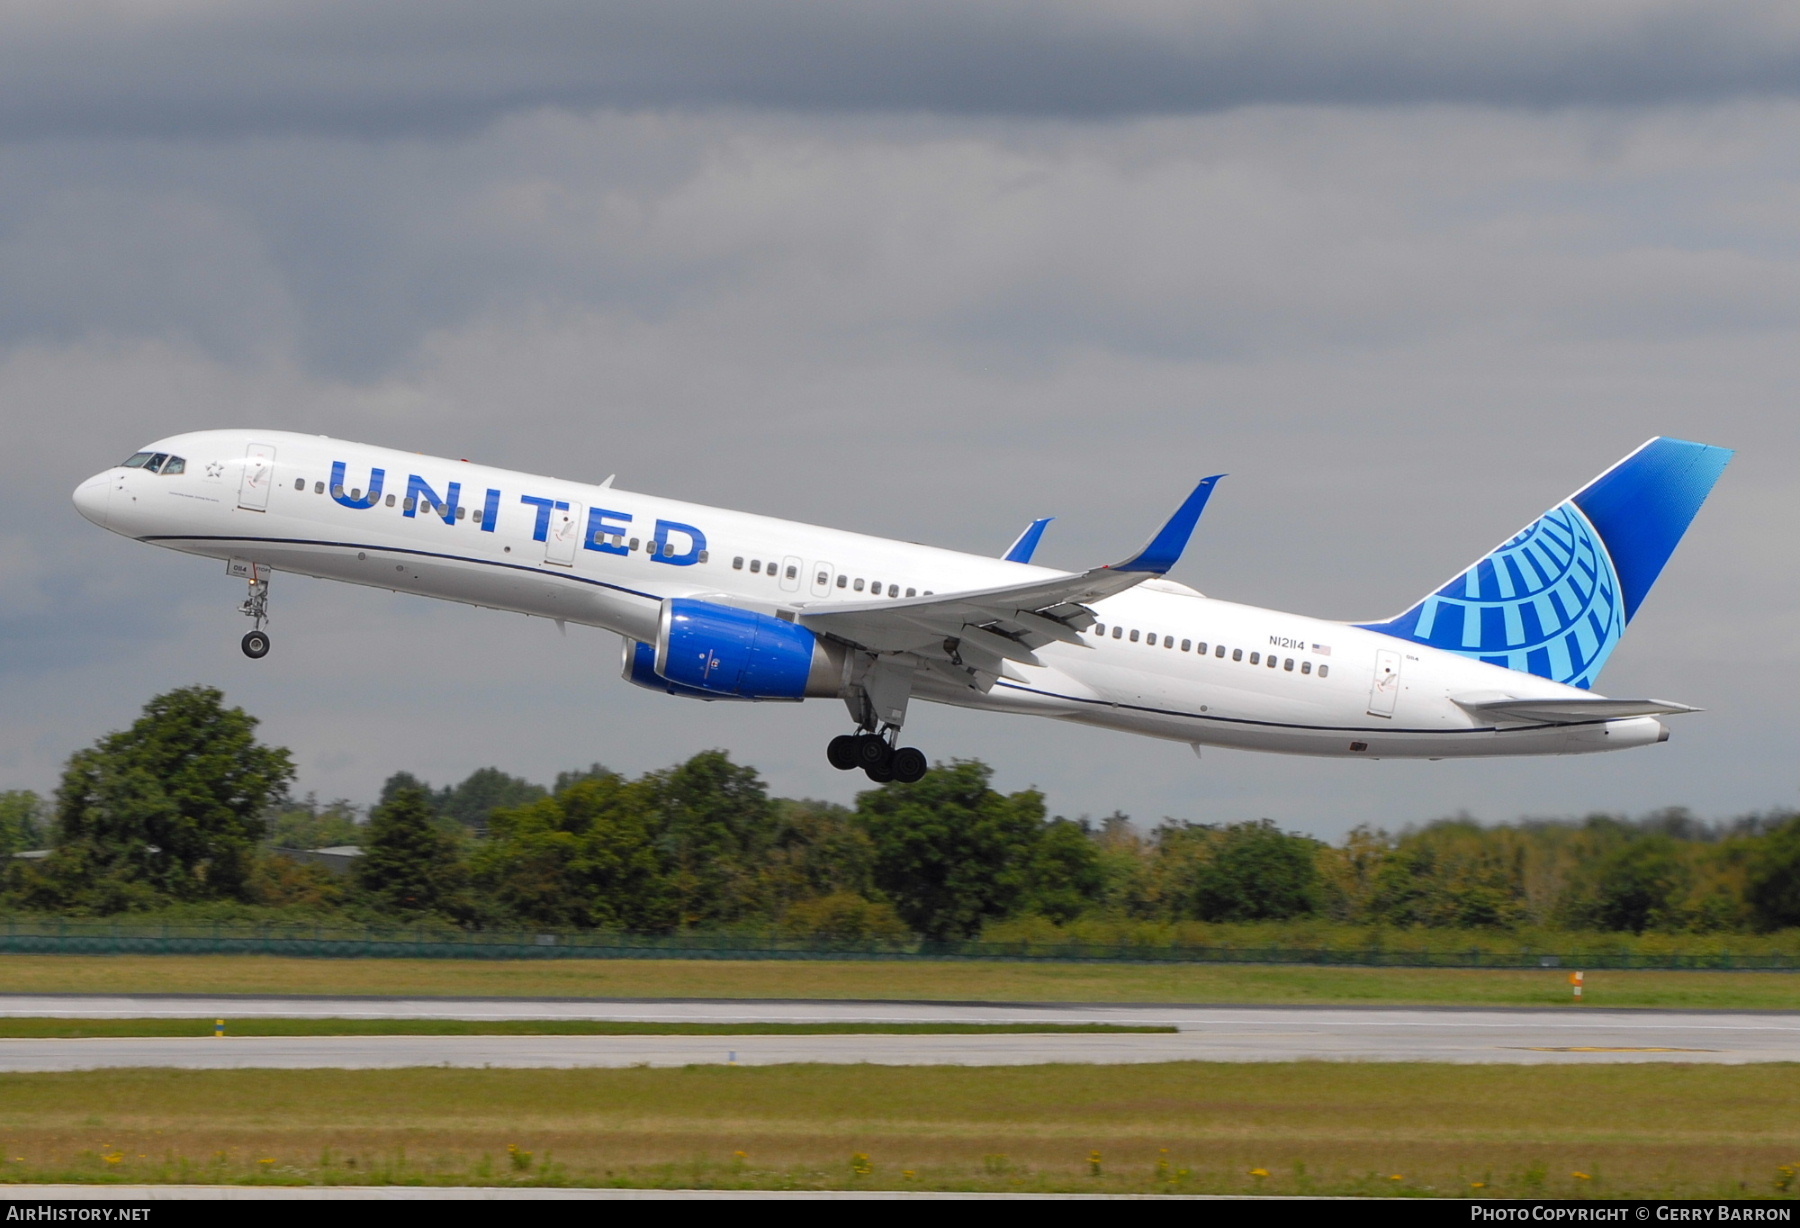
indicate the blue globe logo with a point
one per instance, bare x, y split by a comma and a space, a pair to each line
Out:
1547, 602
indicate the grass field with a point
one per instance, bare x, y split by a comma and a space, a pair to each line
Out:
1653, 1130
948, 980
42, 1028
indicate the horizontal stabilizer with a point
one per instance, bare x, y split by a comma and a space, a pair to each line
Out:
1568, 711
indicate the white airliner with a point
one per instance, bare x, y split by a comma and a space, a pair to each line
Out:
716, 604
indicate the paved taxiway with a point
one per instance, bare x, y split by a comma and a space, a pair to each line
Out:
1206, 1033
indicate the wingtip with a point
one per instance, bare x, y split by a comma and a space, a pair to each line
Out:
1165, 549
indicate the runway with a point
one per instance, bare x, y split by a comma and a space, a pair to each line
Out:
1571, 1035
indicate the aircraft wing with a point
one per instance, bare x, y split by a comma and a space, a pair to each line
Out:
1570, 711
982, 629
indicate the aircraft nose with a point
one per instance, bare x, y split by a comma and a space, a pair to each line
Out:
91, 497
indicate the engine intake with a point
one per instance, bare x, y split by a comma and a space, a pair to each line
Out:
709, 651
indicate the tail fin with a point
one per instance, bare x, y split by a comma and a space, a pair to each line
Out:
1554, 600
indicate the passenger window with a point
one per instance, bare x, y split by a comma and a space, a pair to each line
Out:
875, 588
633, 545
910, 593
1100, 629
704, 555
1288, 665
858, 586
1134, 635
477, 519
737, 564
318, 488
1201, 648
136, 460
843, 581
1306, 667
1118, 631
299, 483
823, 578
460, 512
1168, 641
410, 505
1185, 644
1323, 670
1271, 662
793, 573
1150, 639
1256, 658
356, 493
756, 567
1237, 654
337, 492
893, 590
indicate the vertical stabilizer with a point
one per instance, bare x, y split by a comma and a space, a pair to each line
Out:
1554, 599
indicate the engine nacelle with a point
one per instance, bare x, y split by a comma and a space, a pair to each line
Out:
704, 650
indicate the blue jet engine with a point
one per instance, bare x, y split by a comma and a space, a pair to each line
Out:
704, 650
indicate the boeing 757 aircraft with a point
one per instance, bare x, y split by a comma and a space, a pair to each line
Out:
715, 604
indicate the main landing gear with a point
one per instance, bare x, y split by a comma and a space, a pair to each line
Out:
256, 607
877, 756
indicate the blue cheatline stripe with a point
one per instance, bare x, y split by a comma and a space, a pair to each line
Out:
1239, 720
528, 568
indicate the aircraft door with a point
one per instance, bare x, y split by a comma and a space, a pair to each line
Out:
821, 579
564, 534
1384, 690
790, 573
259, 475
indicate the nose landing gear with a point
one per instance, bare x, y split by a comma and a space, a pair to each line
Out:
256, 607
878, 757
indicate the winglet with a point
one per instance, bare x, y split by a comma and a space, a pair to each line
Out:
1026, 546
1165, 548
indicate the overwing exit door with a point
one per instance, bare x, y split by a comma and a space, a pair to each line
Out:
259, 475
564, 534
1384, 690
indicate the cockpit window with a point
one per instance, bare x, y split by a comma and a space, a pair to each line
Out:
155, 463
174, 465
137, 459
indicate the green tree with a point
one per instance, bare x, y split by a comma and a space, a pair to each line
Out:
171, 807
307, 825
1257, 872
1774, 878
1640, 886
21, 821
950, 852
718, 828
1067, 877
409, 864
486, 790
586, 857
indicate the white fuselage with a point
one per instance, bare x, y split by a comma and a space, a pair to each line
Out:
520, 542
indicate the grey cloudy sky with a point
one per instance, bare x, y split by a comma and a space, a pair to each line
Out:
1409, 272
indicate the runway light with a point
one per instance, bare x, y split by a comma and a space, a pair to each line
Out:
218, 1027
1575, 980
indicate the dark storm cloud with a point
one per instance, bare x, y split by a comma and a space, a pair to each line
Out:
395, 66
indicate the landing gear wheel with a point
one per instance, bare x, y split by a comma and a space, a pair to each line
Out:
841, 750
256, 645
909, 764
873, 753
880, 775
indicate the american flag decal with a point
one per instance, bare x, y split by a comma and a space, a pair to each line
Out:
1324, 650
